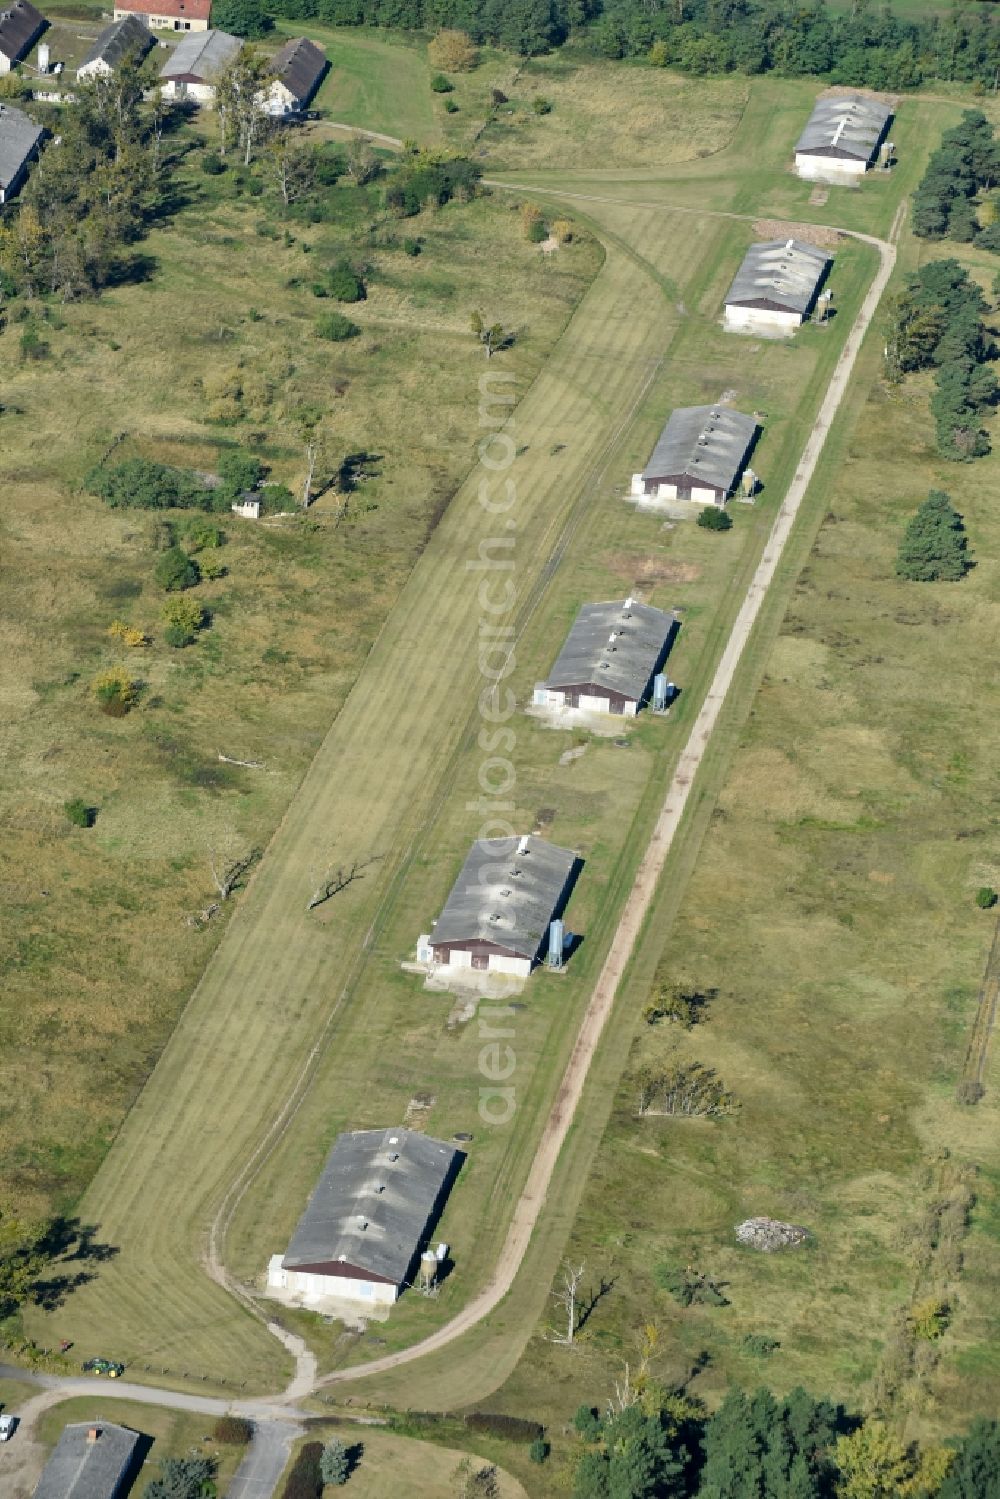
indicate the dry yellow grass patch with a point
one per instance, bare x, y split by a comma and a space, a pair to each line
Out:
635, 117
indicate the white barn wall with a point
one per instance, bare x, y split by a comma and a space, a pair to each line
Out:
500, 963
751, 319
829, 168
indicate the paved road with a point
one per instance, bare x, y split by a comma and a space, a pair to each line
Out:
257, 1475
275, 1428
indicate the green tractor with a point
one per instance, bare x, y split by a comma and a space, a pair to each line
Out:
104, 1366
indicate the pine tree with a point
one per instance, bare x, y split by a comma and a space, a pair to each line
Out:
934, 545
975, 1472
334, 1465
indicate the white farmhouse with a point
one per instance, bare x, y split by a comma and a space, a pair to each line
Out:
700, 456
775, 287
128, 37
359, 1239
610, 658
20, 27
20, 139
192, 68
298, 70
497, 916
842, 138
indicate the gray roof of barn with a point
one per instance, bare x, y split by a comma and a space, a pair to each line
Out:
119, 40
20, 23
849, 125
784, 271
79, 1469
299, 65
706, 443
18, 138
506, 893
388, 1179
615, 645
201, 54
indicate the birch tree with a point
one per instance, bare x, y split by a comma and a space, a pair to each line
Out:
240, 91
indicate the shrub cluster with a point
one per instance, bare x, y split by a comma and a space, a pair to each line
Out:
428, 177
233, 1431
335, 327
511, 1428
305, 1480
115, 691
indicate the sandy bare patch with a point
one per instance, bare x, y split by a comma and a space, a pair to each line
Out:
811, 234
643, 572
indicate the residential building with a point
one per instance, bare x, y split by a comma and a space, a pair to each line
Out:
20, 139
192, 68
776, 286
20, 27
128, 37
700, 456
298, 71
610, 658
842, 138
92, 1460
359, 1239
497, 916
167, 15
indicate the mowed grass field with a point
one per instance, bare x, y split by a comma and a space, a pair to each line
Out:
831, 914
97, 955
391, 1464
386, 771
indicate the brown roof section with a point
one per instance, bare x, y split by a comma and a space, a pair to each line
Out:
299, 65
181, 10
20, 23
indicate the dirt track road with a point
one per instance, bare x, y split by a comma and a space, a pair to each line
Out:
641, 895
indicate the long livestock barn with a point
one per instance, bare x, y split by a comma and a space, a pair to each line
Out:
775, 288
842, 138
498, 914
700, 456
610, 658
359, 1239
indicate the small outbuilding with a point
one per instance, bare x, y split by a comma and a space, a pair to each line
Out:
20, 139
842, 138
610, 658
776, 286
167, 15
700, 456
378, 1199
92, 1460
497, 917
192, 68
125, 38
298, 70
20, 27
